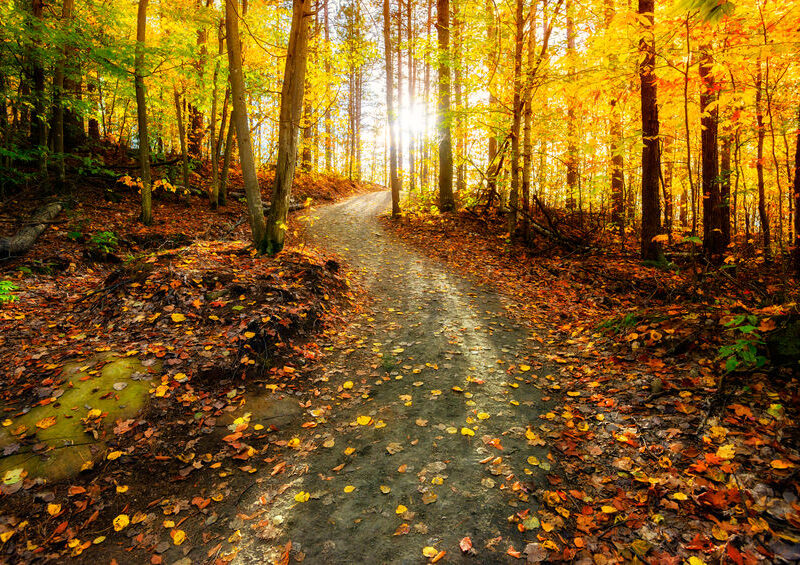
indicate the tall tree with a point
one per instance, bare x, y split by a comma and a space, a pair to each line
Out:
214, 197
390, 110
513, 199
797, 200
762, 198
444, 117
247, 160
291, 110
712, 203
141, 113
651, 159
572, 125
59, 98
616, 143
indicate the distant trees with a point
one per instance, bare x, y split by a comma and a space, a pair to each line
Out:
526, 106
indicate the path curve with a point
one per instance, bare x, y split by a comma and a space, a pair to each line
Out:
432, 331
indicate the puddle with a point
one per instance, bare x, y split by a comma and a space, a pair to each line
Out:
50, 441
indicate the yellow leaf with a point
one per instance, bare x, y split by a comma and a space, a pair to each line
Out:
177, 318
467, 432
696, 561
122, 489
781, 464
363, 420
349, 450
347, 385
533, 460
301, 496
178, 536
249, 335
98, 540
607, 509
429, 551
114, 455
349, 488
483, 416
45, 423
121, 522
169, 524
400, 509
727, 451
5, 536
294, 442
330, 442
385, 489
679, 496
53, 509
524, 368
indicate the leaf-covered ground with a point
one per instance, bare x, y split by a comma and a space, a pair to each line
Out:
666, 456
354, 400
120, 355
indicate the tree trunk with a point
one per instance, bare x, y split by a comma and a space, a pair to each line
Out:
329, 143
444, 117
58, 98
291, 110
141, 113
214, 197
239, 116
494, 40
725, 190
713, 242
38, 119
762, 205
182, 138
513, 198
572, 150
616, 145
527, 119
797, 202
651, 160
21, 242
226, 162
411, 133
390, 110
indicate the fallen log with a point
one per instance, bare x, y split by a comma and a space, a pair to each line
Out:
23, 240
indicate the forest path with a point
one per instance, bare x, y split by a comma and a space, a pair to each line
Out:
432, 331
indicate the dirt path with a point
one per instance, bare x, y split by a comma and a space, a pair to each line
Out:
440, 362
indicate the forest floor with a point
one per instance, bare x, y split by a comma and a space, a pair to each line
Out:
382, 392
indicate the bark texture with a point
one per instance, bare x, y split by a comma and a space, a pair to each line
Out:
291, 112
255, 208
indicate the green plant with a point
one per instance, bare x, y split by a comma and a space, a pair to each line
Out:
7, 289
105, 241
93, 167
744, 351
619, 323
